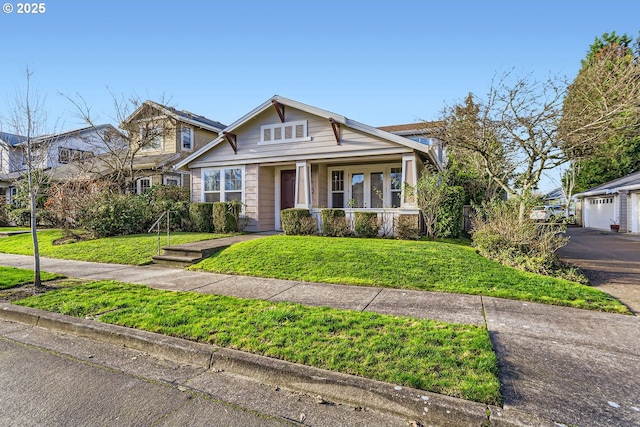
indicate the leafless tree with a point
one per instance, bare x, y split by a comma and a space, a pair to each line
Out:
514, 131
116, 152
28, 119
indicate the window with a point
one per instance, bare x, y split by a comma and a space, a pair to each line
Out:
172, 180
143, 184
151, 137
186, 138
66, 155
374, 186
222, 185
284, 132
396, 187
337, 189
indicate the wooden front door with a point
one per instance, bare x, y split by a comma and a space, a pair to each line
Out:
287, 189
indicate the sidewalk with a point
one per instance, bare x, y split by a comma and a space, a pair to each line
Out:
571, 366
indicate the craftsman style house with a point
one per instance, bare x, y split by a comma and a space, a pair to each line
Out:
286, 154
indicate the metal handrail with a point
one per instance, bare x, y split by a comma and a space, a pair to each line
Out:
157, 225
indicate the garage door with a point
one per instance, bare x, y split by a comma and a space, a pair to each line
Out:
601, 212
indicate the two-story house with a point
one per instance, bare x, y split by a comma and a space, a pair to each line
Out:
162, 136
49, 152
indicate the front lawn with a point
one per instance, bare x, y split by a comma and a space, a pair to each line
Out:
421, 265
11, 277
135, 249
451, 359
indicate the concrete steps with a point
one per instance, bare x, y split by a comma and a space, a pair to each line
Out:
186, 254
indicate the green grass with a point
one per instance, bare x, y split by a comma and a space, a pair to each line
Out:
11, 277
3, 229
421, 265
135, 249
451, 359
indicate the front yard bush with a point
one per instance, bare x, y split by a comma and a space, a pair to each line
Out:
335, 223
298, 222
115, 214
449, 223
201, 215
499, 233
163, 198
366, 224
407, 227
226, 216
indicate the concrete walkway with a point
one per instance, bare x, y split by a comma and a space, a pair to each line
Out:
574, 367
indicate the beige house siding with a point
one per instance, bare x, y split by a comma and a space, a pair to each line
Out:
202, 137
322, 145
196, 185
251, 196
266, 198
319, 184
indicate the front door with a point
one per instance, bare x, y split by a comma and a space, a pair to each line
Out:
287, 189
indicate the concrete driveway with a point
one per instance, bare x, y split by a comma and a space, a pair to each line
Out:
611, 261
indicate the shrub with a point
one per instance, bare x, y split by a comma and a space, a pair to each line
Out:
115, 215
449, 222
298, 222
20, 216
4, 216
226, 216
335, 223
406, 227
162, 198
366, 224
499, 234
201, 215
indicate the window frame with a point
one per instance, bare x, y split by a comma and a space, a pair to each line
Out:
159, 136
182, 135
139, 184
222, 191
366, 170
281, 130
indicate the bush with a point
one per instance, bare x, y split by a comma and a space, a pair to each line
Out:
366, 224
162, 198
20, 216
335, 223
406, 227
226, 216
449, 222
4, 216
201, 215
298, 222
115, 215
499, 233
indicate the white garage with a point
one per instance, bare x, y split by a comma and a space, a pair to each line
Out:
600, 212
614, 202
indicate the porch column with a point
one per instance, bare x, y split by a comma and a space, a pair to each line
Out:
410, 178
303, 185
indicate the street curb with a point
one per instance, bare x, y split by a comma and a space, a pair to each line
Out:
429, 408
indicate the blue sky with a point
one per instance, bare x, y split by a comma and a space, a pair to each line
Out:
378, 62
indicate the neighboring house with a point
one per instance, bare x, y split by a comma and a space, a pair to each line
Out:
286, 154
614, 202
50, 152
172, 136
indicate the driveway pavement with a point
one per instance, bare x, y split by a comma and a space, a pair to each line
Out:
568, 366
611, 261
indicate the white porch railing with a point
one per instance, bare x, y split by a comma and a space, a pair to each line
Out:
386, 217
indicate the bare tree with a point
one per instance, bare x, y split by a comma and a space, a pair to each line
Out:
28, 119
514, 131
117, 152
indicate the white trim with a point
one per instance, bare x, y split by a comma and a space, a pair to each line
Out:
402, 141
222, 191
349, 170
191, 137
178, 177
281, 126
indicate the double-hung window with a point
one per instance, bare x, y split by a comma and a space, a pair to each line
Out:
151, 137
223, 184
186, 138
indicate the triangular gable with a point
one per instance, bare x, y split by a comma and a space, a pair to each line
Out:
181, 116
335, 119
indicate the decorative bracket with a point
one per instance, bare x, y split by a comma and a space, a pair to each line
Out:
279, 109
336, 130
231, 139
